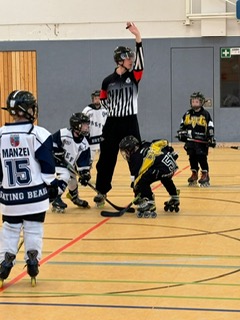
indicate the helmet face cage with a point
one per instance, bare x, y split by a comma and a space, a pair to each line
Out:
122, 53
128, 146
19, 104
199, 96
76, 122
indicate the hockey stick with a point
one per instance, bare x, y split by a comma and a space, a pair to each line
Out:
20, 245
218, 145
71, 169
198, 141
121, 212
132, 210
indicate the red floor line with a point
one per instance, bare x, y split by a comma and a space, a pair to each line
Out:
69, 244
53, 254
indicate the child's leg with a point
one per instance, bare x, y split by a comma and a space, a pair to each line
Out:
33, 240
10, 235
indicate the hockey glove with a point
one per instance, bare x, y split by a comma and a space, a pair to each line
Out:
84, 177
52, 190
174, 155
59, 154
212, 142
182, 135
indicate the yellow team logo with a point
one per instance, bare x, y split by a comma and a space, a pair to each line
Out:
193, 121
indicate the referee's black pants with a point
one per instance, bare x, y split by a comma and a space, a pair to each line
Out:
114, 130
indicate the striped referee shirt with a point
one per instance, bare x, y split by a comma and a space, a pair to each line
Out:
119, 93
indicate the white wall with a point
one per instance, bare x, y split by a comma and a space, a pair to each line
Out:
105, 19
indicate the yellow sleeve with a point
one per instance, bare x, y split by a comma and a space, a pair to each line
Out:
154, 151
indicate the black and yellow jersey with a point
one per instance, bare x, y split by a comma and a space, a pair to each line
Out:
156, 154
199, 125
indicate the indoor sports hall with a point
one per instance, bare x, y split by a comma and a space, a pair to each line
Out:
178, 265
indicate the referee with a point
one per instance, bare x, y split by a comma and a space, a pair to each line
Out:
119, 95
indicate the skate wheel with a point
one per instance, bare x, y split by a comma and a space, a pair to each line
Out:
146, 215
166, 208
176, 209
139, 215
53, 209
205, 185
171, 209
60, 210
33, 281
100, 205
192, 184
154, 215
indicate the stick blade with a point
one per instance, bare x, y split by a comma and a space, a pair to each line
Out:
117, 213
111, 214
235, 147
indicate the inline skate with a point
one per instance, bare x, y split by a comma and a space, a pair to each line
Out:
99, 199
172, 204
73, 196
32, 266
6, 266
204, 180
146, 208
192, 181
58, 205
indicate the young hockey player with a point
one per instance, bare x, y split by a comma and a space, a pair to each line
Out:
150, 162
27, 177
97, 115
72, 154
197, 131
119, 95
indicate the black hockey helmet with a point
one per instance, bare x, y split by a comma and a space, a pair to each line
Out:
95, 93
76, 121
128, 146
121, 53
22, 103
197, 95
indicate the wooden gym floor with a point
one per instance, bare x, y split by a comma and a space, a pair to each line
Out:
182, 265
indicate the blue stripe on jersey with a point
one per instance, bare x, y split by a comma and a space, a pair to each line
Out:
44, 155
17, 196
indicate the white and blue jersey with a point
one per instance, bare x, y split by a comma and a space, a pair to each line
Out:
97, 119
76, 149
26, 167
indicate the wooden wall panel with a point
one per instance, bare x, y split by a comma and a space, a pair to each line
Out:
18, 71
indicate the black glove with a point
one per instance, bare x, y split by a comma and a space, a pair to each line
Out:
59, 154
52, 190
174, 155
212, 142
84, 177
182, 135
167, 149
